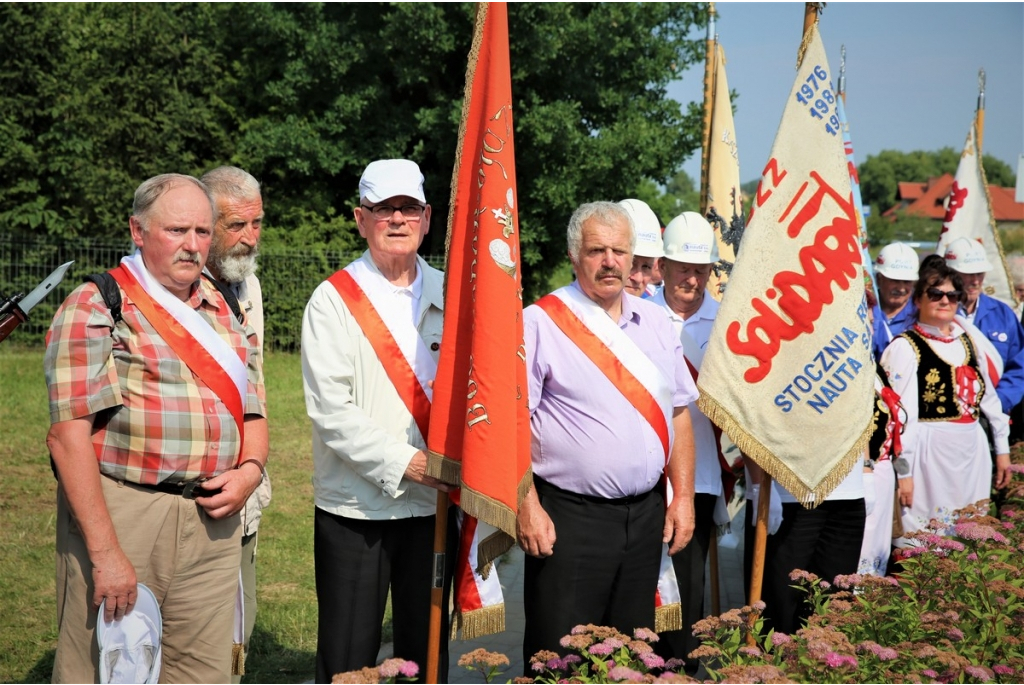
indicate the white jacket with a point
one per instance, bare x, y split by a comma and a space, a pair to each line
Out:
363, 435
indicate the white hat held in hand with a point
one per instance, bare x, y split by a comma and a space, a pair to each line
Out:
898, 261
967, 256
647, 228
689, 238
130, 650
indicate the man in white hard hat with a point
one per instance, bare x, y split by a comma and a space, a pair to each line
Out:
690, 249
995, 319
896, 272
648, 246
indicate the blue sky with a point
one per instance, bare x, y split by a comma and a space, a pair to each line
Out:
911, 74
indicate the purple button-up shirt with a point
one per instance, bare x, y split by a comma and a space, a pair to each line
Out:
587, 437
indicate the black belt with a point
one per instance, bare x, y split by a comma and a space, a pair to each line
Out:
544, 486
188, 490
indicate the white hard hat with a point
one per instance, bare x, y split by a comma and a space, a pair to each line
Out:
898, 261
689, 238
647, 227
967, 256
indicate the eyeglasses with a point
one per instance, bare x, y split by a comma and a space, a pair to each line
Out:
936, 295
385, 212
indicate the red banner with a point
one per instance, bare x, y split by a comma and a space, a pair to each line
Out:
479, 423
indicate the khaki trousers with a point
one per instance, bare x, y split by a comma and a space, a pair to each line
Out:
187, 559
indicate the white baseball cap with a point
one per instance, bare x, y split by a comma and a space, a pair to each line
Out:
130, 649
647, 228
390, 178
967, 256
898, 261
689, 238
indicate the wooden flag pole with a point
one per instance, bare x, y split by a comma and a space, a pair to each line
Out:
709, 101
979, 117
705, 182
437, 587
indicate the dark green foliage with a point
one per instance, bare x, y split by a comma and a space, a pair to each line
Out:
96, 97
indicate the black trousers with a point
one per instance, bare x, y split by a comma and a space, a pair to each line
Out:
356, 561
604, 569
689, 566
825, 541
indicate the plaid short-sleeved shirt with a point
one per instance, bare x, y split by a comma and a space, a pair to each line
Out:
153, 419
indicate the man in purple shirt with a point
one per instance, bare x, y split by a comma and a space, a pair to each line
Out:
602, 448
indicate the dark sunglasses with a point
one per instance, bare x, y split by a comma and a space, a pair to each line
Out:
936, 295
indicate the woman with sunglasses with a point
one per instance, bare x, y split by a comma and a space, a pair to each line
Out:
941, 373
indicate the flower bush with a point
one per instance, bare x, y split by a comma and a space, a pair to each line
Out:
953, 614
388, 671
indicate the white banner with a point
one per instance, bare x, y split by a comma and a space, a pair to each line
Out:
788, 373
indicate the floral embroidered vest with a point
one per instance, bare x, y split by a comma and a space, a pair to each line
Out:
936, 380
880, 422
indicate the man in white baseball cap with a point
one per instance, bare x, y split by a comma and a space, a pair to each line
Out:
648, 246
690, 250
994, 318
896, 272
367, 328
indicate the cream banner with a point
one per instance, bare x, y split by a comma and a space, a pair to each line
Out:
788, 373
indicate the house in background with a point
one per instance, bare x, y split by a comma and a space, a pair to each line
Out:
929, 200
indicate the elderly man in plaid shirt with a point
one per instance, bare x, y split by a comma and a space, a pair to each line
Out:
148, 413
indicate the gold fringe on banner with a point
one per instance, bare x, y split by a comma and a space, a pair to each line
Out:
991, 214
443, 468
480, 622
776, 467
668, 617
804, 43
474, 58
237, 659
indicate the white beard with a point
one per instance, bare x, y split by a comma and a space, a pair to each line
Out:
235, 268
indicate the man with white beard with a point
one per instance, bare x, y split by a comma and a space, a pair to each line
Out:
232, 261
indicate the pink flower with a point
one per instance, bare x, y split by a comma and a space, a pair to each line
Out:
392, 668
625, 673
749, 651
673, 664
571, 659
652, 660
781, 639
979, 672
601, 649
646, 635
955, 634
409, 669
614, 643
538, 666
887, 654
946, 543
848, 581
972, 557
758, 606
929, 673
1002, 669
833, 660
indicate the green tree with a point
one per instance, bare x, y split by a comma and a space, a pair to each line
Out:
681, 194
95, 97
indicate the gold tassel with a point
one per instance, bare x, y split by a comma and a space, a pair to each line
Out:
774, 466
668, 617
237, 659
480, 622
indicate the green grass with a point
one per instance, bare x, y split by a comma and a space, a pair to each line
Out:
283, 644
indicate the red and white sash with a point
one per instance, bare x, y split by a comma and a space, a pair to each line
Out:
213, 360
397, 343
612, 351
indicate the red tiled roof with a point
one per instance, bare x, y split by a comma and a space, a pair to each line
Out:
928, 200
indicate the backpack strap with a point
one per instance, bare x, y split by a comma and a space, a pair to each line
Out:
229, 297
110, 291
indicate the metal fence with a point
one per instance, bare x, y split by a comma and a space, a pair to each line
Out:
288, 277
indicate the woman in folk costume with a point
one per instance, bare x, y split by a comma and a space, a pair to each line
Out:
941, 373
883, 454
